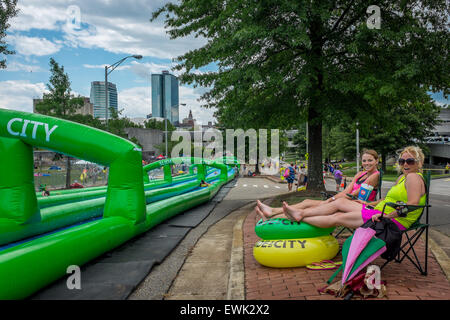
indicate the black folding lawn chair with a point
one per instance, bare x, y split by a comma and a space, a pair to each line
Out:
407, 249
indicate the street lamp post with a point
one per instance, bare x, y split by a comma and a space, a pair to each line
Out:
357, 147
165, 129
112, 67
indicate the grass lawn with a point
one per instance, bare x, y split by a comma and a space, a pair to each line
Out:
294, 197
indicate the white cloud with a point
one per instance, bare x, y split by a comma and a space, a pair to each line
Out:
33, 45
136, 102
36, 15
17, 66
114, 26
19, 94
143, 70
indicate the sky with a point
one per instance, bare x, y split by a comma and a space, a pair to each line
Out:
84, 36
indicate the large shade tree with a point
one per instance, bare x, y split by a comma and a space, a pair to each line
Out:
309, 59
7, 11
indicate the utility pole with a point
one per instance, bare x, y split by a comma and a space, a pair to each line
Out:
106, 96
165, 128
357, 147
112, 67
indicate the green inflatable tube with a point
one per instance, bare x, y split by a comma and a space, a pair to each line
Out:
95, 238
58, 198
60, 216
125, 192
51, 255
126, 212
279, 228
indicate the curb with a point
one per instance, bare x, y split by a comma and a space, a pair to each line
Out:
236, 280
441, 257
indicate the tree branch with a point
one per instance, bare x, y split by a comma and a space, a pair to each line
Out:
338, 21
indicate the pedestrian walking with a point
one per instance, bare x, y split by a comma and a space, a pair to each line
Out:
338, 178
302, 177
291, 177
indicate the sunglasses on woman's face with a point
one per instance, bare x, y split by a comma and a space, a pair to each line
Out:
409, 161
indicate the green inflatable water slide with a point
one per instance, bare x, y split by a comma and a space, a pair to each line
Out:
41, 236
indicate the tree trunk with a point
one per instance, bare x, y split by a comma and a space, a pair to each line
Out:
315, 174
68, 169
257, 162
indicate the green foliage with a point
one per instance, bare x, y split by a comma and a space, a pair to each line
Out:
400, 125
117, 125
299, 139
7, 11
87, 119
59, 102
159, 125
283, 62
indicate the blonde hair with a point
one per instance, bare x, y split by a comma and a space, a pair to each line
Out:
417, 153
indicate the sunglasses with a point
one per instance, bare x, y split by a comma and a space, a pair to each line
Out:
409, 161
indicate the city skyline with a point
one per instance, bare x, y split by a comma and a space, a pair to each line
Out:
100, 35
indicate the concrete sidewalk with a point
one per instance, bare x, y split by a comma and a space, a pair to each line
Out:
218, 264
223, 266
404, 282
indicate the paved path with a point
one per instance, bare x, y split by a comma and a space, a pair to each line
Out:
204, 274
403, 281
218, 263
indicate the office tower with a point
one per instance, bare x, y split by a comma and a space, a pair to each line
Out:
98, 98
165, 100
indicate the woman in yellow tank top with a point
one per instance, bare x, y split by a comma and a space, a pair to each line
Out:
409, 188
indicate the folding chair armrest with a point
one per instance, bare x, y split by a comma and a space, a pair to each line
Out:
411, 207
402, 206
325, 195
351, 196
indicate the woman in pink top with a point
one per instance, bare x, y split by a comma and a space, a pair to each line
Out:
370, 176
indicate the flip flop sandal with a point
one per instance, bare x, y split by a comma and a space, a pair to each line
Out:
323, 265
337, 263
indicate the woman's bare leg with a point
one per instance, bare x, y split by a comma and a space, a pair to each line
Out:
269, 212
348, 219
340, 205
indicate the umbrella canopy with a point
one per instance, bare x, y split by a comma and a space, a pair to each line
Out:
358, 251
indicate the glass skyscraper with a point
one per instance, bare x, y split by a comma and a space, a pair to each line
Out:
165, 97
98, 98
